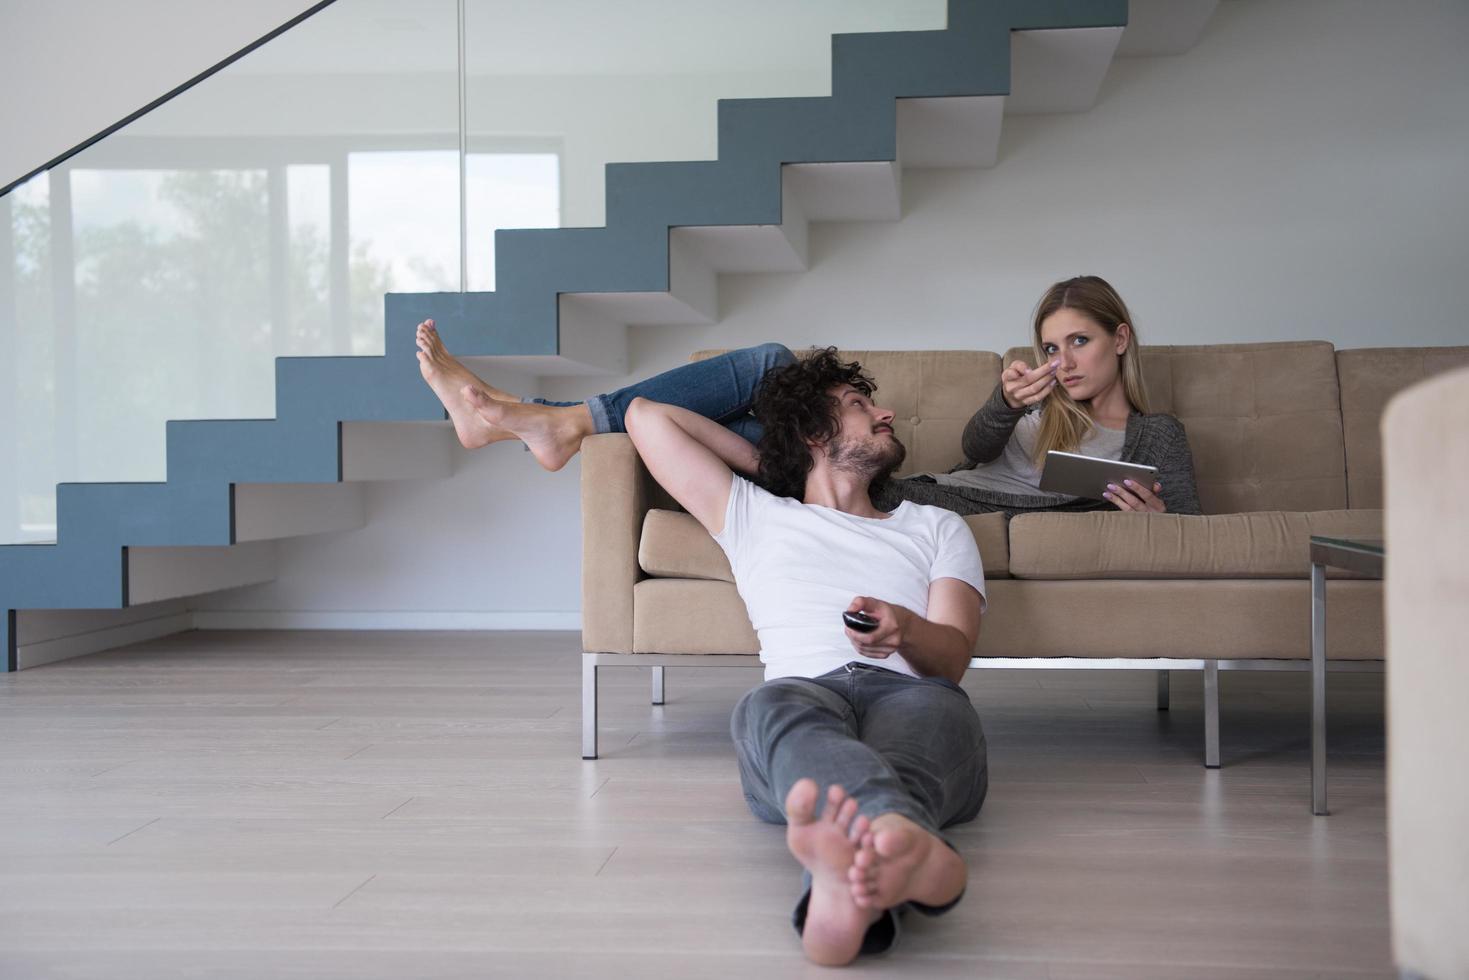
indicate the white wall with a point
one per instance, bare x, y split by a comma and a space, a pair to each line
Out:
1299, 174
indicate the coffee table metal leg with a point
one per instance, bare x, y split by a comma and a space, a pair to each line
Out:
1211, 714
1318, 689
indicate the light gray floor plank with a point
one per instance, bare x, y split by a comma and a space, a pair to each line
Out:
406, 804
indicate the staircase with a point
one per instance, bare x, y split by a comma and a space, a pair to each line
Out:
567, 295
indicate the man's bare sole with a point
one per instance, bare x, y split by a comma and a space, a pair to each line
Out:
448, 378
552, 433
898, 861
826, 847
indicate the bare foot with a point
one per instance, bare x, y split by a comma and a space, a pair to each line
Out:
898, 861
448, 378
826, 847
552, 433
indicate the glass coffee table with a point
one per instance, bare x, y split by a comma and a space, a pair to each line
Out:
1363, 555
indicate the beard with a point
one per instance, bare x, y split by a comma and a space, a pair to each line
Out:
874, 460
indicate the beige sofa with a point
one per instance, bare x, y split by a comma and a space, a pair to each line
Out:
1426, 440
1285, 445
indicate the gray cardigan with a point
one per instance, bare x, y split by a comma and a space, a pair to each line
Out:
1154, 439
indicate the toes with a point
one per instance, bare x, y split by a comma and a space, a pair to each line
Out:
845, 815
892, 843
801, 802
859, 828
835, 796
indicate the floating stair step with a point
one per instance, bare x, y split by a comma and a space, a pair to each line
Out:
155, 574
922, 64
770, 132
397, 450
266, 511
580, 260
692, 192
352, 388
868, 191
1163, 27
1060, 70
57, 576
111, 515
590, 343
692, 297
950, 132
738, 249
254, 451
47, 635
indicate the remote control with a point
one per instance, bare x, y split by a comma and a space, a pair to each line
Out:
859, 621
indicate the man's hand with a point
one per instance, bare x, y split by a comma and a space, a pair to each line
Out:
937, 646
1023, 387
1134, 496
891, 619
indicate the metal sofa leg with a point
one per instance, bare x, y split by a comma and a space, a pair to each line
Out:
1211, 714
588, 705
1162, 690
657, 685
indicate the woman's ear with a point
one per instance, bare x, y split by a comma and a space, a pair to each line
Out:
1123, 337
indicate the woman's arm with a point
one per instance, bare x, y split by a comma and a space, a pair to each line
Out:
1169, 451
991, 427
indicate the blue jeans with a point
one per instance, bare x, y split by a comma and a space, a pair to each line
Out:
721, 388
895, 743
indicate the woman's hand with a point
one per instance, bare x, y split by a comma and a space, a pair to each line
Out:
1022, 386
887, 638
1132, 495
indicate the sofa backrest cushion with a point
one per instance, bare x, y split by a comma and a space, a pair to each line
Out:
933, 392
1369, 377
674, 545
1103, 545
1263, 421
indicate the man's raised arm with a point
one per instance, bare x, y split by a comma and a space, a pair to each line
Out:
690, 456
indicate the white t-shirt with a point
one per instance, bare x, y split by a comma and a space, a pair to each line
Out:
799, 566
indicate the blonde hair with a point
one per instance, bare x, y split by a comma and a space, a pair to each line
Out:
1064, 421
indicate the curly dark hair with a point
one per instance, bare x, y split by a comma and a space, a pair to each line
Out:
795, 406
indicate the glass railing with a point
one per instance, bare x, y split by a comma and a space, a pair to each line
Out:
158, 273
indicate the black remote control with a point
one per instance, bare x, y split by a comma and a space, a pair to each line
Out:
859, 621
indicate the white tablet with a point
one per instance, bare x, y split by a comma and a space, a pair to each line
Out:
1088, 476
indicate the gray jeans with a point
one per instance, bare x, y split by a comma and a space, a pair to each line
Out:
896, 744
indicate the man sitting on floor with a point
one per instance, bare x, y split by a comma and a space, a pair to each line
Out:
873, 722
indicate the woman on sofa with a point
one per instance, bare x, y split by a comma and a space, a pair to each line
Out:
1086, 397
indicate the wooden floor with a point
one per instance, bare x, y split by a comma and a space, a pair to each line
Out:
413, 805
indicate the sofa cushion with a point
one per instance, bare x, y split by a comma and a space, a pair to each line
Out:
672, 615
1113, 545
1100, 619
1369, 377
933, 394
674, 545
1227, 619
1263, 421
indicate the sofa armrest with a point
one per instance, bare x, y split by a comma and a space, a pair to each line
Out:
616, 493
